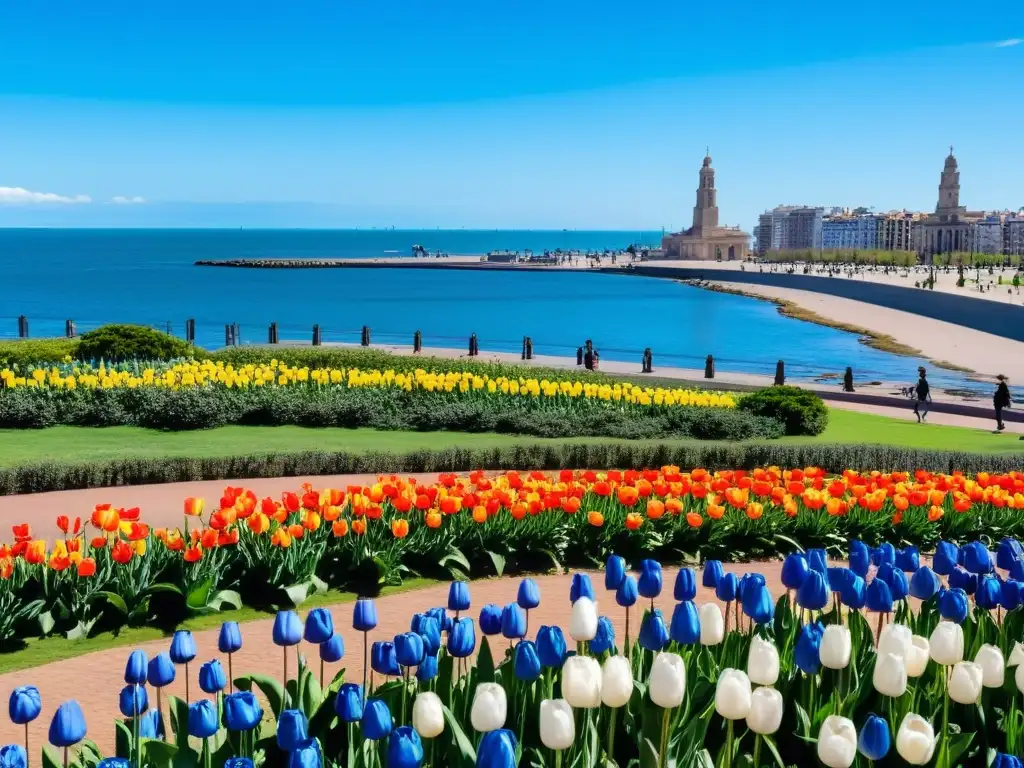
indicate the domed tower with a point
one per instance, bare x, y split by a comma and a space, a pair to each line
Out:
949, 188
705, 213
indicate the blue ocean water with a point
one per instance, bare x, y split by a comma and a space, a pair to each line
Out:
147, 276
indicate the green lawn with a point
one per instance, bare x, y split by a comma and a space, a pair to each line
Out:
85, 444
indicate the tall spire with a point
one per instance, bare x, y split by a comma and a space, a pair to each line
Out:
949, 188
705, 213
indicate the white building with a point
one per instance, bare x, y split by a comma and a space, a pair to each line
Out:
789, 227
1013, 235
987, 234
850, 231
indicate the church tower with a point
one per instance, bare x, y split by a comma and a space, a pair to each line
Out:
705, 213
949, 188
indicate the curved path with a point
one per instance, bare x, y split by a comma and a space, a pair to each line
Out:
96, 679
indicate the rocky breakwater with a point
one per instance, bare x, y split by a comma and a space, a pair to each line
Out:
276, 263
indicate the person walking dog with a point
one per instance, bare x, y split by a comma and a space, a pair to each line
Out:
924, 395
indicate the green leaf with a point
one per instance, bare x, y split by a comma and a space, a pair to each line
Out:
455, 556
770, 743
297, 593
46, 622
648, 755
123, 739
199, 596
83, 628
164, 586
50, 758
115, 600
179, 720
271, 689
459, 738
498, 561
158, 754
227, 597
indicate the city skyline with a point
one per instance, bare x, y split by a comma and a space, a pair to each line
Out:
492, 118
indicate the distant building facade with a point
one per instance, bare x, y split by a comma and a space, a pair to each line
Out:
850, 231
1013, 235
896, 230
987, 234
951, 228
790, 227
706, 239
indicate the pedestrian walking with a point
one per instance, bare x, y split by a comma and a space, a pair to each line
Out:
924, 395
1001, 400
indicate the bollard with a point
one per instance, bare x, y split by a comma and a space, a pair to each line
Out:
579, 355
848, 380
529, 348
69, 328
417, 342
317, 338
474, 348
190, 331
22, 327
170, 331
780, 373
524, 348
709, 367
237, 333
366, 336
272, 336
229, 335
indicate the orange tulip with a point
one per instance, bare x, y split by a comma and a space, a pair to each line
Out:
479, 514
596, 519
655, 509
716, 511
22, 532
105, 518
518, 511
694, 520
901, 502
755, 510
280, 538
432, 519
836, 507
935, 514
121, 552
627, 495
87, 567
295, 531
193, 554
633, 521
258, 523
194, 506
311, 522
6, 568
400, 528
36, 552
674, 506
339, 528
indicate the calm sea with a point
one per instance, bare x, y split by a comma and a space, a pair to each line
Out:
147, 276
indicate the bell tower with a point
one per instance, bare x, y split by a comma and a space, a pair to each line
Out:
705, 212
949, 188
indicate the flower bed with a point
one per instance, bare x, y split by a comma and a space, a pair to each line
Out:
931, 676
113, 568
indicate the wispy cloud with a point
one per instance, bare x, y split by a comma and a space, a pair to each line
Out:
1010, 43
15, 195
121, 200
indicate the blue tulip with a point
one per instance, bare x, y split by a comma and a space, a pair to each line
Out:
307, 755
961, 579
135, 669
1011, 594
814, 594
838, 577
712, 574
428, 628
989, 593
727, 588
107, 762
860, 558
879, 597
748, 581
627, 594
462, 638
490, 619
908, 559
151, 725
161, 671
853, 591
551, 647
24, 705
383, 660
242, 712
686, 585
287, 628
807, 652
13, 756
895, 579
1017, 570
440, 615
348, 704
497, 749
364, 615
758, 604
133, 700
794, 570
817, 560
211, 677
202, 719
874, 739
924, 584
977, 559
513, 622
427, 670
409, 649
292, 729
230, 638
945, 559
581, 587
884, 555
1008, 553
614, 572
526, 662
604, 640
319, 626
458, 596
685, 627
528, 596
953, 605
238, 762
333, 649
405, 749
183, 647
649, 583
653, 633
376, 722
1003, 760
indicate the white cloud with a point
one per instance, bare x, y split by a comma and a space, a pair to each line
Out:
21, 195
121, 200
1010, 43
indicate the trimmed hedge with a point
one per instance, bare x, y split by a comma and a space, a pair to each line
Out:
25, 352
801, 411
60, 476
131, 342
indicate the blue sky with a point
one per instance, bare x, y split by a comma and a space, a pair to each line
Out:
479, 114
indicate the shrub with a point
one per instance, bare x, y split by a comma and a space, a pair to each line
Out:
802, 412
24, 352
130, 342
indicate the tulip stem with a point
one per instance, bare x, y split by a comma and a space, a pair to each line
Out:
135, 729
611, 735
207, 756
626, 644
663, 749
284, 681
945, 715
321, 674
366, 665
757, 750
65, 757
231, 678
28, 754
728, 743
186, 683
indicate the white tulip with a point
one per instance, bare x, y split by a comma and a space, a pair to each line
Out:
583, 621
428, 715
915, 740
765, 713
965, 682
668, 680
1016, 655
763, 662
581, 679
890, 676
836, 646
616, 682
1018, 677
947, 644
837, 742
490, 706
712, 625
917, 656
557, 727
895, 639
732, 694
993, 668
